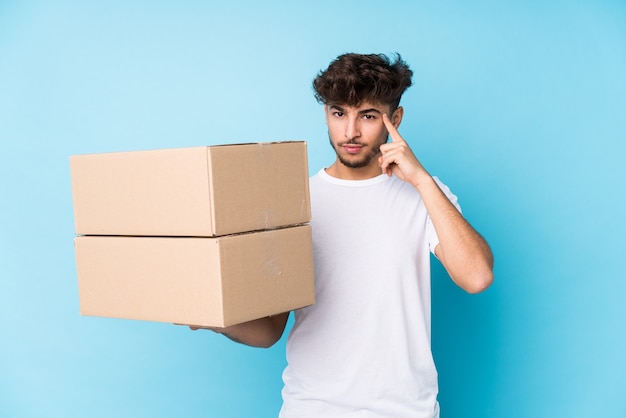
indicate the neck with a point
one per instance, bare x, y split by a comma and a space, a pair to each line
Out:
341, 171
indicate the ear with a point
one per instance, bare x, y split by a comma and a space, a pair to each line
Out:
326, 113
396, 117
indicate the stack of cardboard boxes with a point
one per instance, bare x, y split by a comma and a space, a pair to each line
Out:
209, 236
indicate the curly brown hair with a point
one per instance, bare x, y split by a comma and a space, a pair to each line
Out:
352, 79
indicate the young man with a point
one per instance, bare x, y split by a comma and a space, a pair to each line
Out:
363, 349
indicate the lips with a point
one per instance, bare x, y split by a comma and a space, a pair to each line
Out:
352, 148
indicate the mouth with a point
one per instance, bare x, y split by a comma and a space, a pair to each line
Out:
352, 148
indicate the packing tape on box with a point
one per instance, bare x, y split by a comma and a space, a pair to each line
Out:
267, 220
271, 256
264, 149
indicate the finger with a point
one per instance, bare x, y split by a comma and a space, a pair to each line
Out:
383, 165
393, 132
386, 164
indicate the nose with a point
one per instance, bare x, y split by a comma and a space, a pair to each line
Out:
352, 129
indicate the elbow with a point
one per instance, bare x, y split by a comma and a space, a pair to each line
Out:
473, 271
479, 281
480, 277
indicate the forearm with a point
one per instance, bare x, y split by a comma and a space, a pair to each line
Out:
463, 252
263, 332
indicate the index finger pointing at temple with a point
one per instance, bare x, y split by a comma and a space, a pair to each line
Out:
393, 132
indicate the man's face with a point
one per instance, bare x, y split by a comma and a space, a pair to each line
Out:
356, 133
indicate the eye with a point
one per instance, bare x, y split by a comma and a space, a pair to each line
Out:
337, 114
369, 117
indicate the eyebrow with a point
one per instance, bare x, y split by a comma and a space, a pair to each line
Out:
372, 110
361, 112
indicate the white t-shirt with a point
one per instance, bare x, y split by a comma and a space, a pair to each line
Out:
363, 349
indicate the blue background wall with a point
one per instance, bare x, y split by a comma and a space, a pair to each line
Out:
520, 107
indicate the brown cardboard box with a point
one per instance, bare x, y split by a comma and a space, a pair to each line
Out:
199, 281
201, 191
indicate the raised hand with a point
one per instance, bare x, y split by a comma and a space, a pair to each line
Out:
398, 158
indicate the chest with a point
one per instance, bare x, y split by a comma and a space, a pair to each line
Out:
368, 222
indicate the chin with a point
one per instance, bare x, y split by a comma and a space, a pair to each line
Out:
355, 163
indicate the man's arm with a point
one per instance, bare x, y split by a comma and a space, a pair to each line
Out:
465, 255
263, 332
